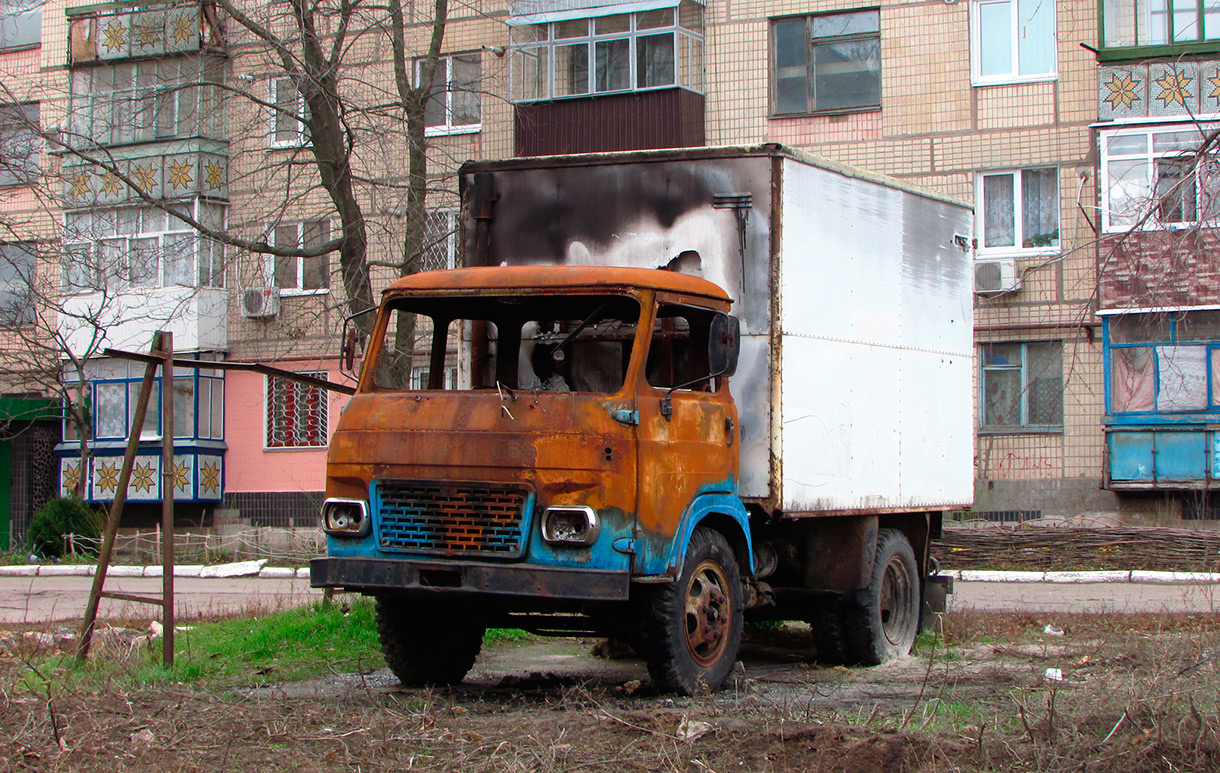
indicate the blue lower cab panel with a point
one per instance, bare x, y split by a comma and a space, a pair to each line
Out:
1160, 456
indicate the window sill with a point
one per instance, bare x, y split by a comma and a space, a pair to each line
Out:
996, 253
288, 292
296, 448
21, 47
442, 131
1014, 80
1123, 53
1020, 430
817, 113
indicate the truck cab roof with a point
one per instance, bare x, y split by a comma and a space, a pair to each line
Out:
535, 279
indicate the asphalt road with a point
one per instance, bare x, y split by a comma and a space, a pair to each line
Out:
47, 599
50, 599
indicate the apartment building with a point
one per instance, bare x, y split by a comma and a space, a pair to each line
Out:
1033, 111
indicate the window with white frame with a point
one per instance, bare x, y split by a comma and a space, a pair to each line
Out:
20, 23
454, 100
157, 99
1019, 210
619, 52
440, 240
287, 125
1128, 23
1022, 386
140, 247
19, 144
1153, 177
1012, 40
420, 375
17, 261
295, 275
829, 62
296, 413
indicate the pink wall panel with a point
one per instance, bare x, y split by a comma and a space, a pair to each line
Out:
249, 466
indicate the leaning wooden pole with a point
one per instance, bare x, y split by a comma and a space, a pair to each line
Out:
168, 479
116, 507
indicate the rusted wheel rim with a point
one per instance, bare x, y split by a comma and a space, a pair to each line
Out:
709, 613
896, 590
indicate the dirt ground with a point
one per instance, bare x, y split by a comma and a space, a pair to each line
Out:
997, 692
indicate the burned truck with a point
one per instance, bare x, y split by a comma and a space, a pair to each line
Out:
670, 391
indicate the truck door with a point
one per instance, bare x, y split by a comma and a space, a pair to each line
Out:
687, 430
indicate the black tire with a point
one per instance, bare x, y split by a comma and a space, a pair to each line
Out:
691, 629
884, 626
829, 638
424, 645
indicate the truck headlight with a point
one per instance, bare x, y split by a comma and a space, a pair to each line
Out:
578, 526
346, 517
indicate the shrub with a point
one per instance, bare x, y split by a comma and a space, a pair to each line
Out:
60, 516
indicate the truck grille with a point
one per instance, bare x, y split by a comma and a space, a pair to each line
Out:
455, 519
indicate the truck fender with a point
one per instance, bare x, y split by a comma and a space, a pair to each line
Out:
727, 511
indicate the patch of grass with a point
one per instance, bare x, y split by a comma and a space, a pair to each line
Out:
292, 644
496, 636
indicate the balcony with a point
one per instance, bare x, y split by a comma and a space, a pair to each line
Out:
127, 320
647, 120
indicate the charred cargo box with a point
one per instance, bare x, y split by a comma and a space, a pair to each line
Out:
853, 291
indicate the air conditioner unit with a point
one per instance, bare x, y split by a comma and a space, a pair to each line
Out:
999, 275
260, 302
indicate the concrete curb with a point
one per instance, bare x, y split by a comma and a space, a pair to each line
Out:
1134, 575
215, 571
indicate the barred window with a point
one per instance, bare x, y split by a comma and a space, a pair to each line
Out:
296, 413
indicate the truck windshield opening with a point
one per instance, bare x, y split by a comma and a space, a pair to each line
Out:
572, 343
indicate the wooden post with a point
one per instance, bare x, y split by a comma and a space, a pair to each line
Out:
116, 508
167, 496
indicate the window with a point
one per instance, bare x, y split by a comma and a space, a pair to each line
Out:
661, 48
826, 63
287, 127
547, 343
1164, 362
1128, 23
17, 284
440, 240
20, 23
296, 275
134, 247
1151, 178
19, 144
1020, 210
454, 101
1022, 387
296, 413
1013, 40
420, 377
157, 99
115, 389
677, 355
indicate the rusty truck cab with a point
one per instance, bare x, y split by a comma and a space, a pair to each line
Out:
563, 436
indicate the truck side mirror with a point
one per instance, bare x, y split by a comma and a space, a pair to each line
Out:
353, 345
723, 344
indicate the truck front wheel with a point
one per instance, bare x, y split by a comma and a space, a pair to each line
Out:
425, 645
692, 627
883, 627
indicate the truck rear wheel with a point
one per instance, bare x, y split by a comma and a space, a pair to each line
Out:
425, 645
692, 627
884, 626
